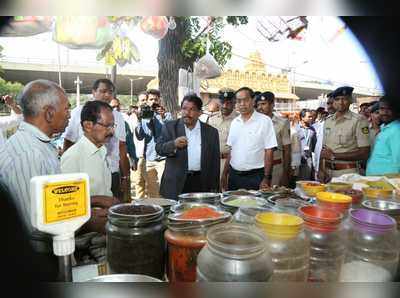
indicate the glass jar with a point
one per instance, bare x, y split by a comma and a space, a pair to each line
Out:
327, 250
135, 242
356, 196
287, 244
288, 205
337, 186
234, 252
372, 247
185, 239
372, 193
336, 201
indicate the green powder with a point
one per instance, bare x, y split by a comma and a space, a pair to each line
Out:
242, 203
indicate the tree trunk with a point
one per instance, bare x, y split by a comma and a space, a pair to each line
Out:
170, 59
114, 78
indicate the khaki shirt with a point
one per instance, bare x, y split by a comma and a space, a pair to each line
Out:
222, 124
282, 132
347, 133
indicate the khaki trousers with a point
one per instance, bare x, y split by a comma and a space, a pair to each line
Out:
277, 172
338, 173
147, 178
138, 179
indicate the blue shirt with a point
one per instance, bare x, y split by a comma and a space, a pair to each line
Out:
385, 156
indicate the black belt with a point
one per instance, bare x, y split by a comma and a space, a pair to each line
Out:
246, 173
193, 173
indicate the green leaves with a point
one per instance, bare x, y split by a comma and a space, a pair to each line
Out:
195, 43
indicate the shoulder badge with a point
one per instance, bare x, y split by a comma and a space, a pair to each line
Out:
365, 130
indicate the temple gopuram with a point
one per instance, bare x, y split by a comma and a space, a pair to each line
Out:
255, 76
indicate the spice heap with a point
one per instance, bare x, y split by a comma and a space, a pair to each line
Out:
242, 203
127, 209
200, 213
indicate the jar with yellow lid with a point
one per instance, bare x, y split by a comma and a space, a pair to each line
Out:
312, 188
287, 244
336, 186
373, 193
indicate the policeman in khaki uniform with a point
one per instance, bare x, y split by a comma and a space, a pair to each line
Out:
346, 139
265, 103
222, 121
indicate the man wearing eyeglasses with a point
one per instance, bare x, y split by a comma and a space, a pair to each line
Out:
88, 155
103, 90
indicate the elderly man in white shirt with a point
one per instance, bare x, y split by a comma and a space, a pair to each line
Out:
252, 140
12, 121
29, 153
116, 148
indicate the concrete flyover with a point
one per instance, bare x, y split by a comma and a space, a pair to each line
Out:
26, 70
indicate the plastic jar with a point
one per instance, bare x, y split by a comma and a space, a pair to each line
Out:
287, 244
312, 188
336, 201
185, 239
372, 247
135, 242
356, 195
234, 252
327, 249
372, 193
337, 186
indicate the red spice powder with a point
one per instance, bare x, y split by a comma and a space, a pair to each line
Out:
200, 213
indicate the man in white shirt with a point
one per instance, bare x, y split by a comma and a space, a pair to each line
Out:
8, 122
252, 140
29, 153
88, 155
116, 148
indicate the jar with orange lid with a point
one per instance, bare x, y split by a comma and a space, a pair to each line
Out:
287, 244
327, 249
335, 201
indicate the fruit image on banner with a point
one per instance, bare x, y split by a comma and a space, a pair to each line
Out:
156, 26
27, 26
82, 32
120, 51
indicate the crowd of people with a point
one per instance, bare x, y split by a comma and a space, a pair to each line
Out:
241, 143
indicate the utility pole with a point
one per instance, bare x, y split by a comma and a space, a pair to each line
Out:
78, 91
131, 90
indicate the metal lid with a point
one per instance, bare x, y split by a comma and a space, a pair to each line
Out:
385, 206
123, 278
208, 197
258, 202
177, 223
242, 192
183, 206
